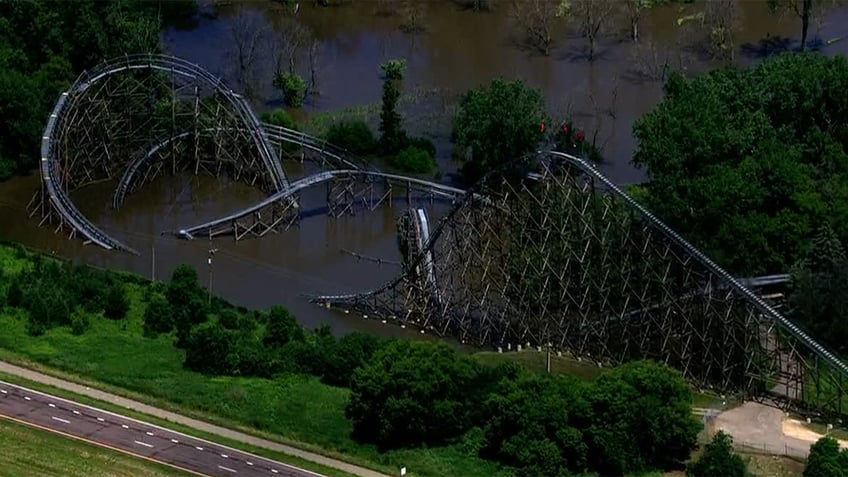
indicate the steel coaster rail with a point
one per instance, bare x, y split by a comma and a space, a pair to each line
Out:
432, 187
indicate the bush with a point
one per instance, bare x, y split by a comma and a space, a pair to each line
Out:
719, 459
157, 317
424, 144
79, 322
293, 86
354, 136
279, 117
117, 304
393, 69
413, 160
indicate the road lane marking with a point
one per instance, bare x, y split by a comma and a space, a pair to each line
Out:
61, 420
199, 448
227, 469
149, 433
101, 444
125, 426
76, 412
274, 471
224, 456
175, 441
3, 391
51, 404
144, 444
27, 398
101, 419
248, 462
142, 423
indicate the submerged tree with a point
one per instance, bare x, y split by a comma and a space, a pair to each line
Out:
805, 10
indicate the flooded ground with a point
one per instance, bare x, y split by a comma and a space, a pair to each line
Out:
458, 50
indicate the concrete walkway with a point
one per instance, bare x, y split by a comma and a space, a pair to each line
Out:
186, 421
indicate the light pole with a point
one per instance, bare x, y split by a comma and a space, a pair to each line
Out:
209, 261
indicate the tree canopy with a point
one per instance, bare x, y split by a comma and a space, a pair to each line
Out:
499, 123
746, 163
826, 459
719, 459
43, 45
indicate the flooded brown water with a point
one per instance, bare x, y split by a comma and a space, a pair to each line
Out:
458, 50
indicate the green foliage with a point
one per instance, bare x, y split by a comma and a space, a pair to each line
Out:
746, 163
281, 328
37, 61
117, 304
393, 69
392, 135
826, 459
293, 86
79, 322
279, 117
424, 144
499, 123
186, 300
414, 160
411, 393
352, 135
157, 316
642, 419
819, 293
352, 351
719, 459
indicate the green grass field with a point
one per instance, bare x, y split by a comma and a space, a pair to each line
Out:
32, 452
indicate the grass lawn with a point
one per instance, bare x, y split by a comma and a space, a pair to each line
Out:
32, 452
297, 410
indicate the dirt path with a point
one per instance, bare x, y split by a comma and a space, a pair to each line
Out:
767, 429
186, 421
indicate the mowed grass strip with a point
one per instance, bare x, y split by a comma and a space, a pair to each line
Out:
27, 451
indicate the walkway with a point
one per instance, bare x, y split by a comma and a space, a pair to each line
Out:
186, 421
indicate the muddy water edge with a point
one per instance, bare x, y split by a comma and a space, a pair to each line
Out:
457, 50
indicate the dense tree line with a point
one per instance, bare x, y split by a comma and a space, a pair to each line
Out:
747, 163
56, 294
44, 45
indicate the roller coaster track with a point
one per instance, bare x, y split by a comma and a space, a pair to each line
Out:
436, 189
52, 183
367, 301
330, 155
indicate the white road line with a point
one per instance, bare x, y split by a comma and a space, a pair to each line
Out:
60, 419
224, 455
76, 412
27, 398
274, 470
144, 444
248, 462
125, 426
149, 433
3, 391
199, 448
101, 419
175, 441
51, 404
227, 469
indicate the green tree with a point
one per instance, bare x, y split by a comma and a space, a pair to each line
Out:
819, 293
187, 301
352, 351
719, 459
534, 423
117, 304
745, 163
281, 328
411, 393
642, 419
158, 317
826, 459
208, 348
499, 123
392, 135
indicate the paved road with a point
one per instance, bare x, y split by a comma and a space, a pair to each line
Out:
126, 403
198, 456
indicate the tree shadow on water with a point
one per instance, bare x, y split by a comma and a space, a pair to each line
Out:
772, 45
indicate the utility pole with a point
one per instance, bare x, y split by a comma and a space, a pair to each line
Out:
211, 253
153, 261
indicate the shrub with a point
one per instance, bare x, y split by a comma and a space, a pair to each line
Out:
79, 322
279, 117
393, 69
352, 135
424, 144
293, 86
719, 459
117, 304
414, 160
